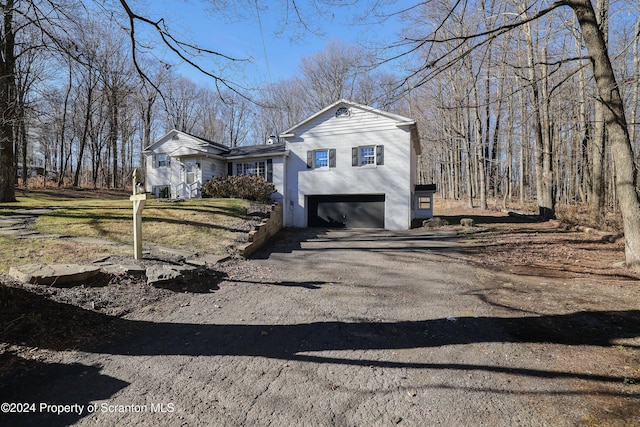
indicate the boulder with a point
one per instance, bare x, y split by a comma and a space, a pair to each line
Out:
434, 222
58, 274
467, 222
157, 274
128, 269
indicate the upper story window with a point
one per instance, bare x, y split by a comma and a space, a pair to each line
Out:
367, 155
161, 160
321, 159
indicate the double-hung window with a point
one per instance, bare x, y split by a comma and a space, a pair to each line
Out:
367, 155
161, 160
321, 159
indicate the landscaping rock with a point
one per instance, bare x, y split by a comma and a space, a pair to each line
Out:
467, 222
434, 222
130, 270
207, 260
167, 273
58, 274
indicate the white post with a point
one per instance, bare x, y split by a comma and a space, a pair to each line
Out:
138, 198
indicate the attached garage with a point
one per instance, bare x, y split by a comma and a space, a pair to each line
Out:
346, 211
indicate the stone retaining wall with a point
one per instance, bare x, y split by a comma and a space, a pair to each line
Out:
263, 231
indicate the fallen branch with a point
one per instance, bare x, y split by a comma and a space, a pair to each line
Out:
8, 326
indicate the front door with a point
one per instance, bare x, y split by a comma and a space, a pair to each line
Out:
190, 170
190, 185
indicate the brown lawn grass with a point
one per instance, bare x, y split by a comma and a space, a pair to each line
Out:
198, 225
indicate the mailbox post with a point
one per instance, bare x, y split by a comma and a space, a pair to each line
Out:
138, 198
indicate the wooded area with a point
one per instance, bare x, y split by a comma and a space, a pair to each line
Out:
518, 117
508, 103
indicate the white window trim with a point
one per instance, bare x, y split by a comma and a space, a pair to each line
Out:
312, 159
260, 165
357, 158
315, 158
162, 158
361, 157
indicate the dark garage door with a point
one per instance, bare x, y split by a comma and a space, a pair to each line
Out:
346, 211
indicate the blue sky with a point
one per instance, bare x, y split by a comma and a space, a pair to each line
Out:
242, 38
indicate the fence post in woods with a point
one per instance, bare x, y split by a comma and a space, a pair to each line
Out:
138, 198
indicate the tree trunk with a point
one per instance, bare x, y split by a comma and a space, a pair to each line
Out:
544, 183
146, 139
64, 156
480, 151
548, 176
597, 199
585, 134
21, 136
85, 134
494, 169
113, 135
614, 116
636, 83
7, 105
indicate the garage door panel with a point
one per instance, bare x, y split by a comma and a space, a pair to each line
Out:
361, 211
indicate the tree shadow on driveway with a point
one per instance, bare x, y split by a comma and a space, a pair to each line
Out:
301, 342
585, 328
290, 240
69, 389
295, 341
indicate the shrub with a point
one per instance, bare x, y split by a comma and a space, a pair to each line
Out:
248, 187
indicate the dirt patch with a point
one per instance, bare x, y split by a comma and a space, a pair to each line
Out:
544, 249
542, 253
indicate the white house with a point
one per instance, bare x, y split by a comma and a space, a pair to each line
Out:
178, 164
348, 165
351, 165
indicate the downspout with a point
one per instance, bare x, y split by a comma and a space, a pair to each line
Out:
285, 191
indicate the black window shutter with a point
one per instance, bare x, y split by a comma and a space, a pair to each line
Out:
230, 169
309, 159
354, 156
269, 170
154, 159
379, 154
332, 158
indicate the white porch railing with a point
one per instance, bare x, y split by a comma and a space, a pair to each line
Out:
188, 191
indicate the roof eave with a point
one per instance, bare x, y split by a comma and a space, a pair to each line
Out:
258, 156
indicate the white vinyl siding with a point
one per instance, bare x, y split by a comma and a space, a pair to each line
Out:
391, 140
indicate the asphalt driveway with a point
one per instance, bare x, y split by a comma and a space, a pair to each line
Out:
351, 328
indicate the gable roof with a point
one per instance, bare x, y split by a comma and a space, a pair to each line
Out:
401, 120
174, 132
194, 145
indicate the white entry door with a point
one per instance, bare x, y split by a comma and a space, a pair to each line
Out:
190, 170
190, 178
